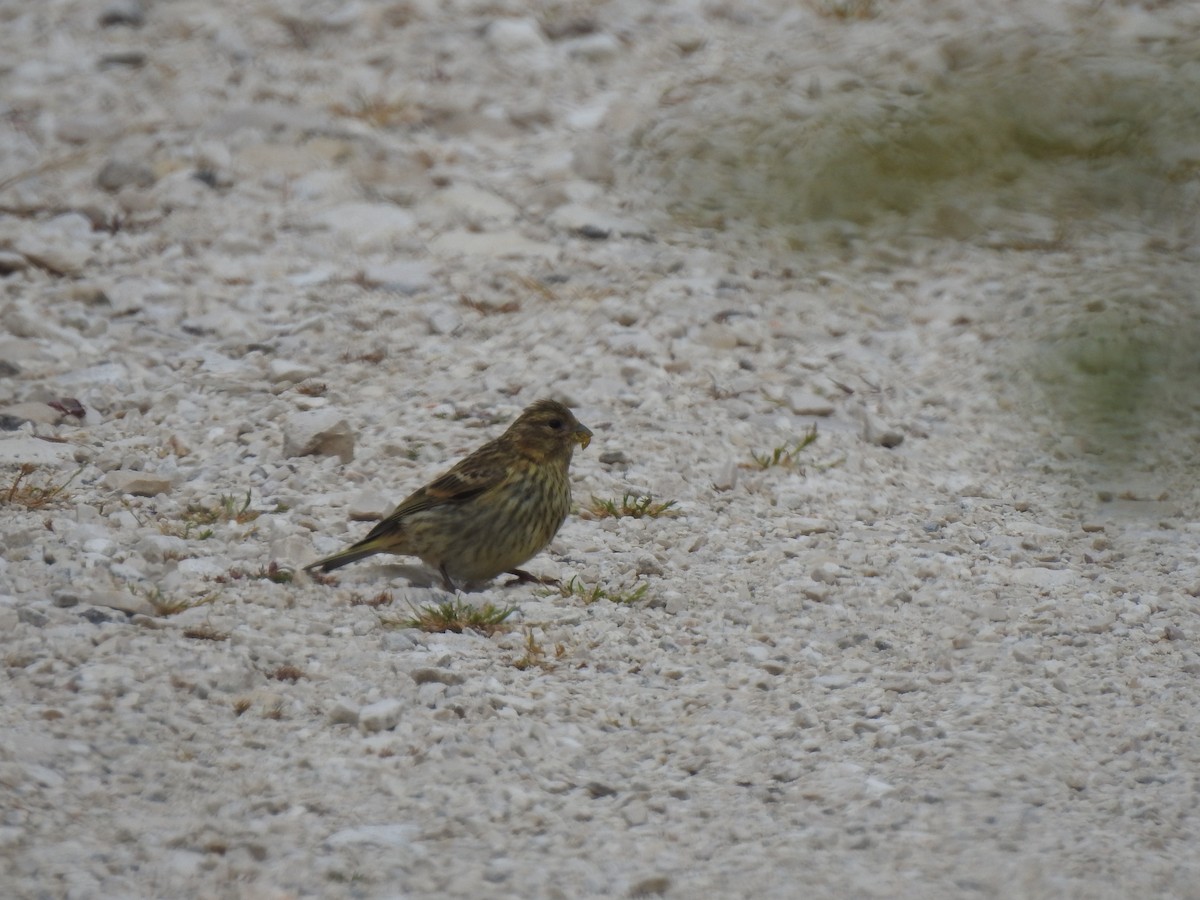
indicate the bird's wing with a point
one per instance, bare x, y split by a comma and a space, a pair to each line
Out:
479, 472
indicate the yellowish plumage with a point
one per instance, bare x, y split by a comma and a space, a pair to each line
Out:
494, 510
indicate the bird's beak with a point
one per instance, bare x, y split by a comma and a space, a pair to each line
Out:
583, 435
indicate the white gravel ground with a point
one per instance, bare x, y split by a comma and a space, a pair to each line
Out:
292, 259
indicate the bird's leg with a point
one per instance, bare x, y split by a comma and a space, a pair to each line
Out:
446, 582
524, 577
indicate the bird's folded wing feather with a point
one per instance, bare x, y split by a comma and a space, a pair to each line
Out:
468, 479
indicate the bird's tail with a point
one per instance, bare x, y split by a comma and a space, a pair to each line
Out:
345, 557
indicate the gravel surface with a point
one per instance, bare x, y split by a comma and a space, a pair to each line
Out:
267, 266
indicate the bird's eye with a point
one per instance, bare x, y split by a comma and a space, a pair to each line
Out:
556, 424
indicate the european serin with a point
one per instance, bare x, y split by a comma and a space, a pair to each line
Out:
492, 511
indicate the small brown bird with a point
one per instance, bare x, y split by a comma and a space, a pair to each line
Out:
492, 511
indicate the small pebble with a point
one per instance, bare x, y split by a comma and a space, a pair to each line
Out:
118, 174
383, 715
320, 432
139, 484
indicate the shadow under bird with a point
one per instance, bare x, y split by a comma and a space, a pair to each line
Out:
491, 512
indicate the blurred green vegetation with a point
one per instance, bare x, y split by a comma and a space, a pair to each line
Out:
1066, 133
1122, 374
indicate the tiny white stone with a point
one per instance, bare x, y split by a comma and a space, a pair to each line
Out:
323, 432
383, 715
515, 35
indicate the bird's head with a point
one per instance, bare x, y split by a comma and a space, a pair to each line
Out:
547, 429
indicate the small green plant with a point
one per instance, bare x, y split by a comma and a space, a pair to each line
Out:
634, 506
784, 455
383, 598
456, 616
229, 510
272, 571
184, 530
202, 516
536, 654
23, 492
594, 593
164, 606
380, 110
